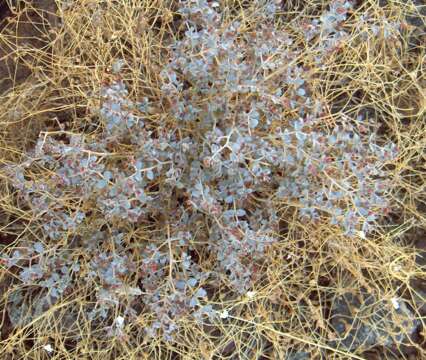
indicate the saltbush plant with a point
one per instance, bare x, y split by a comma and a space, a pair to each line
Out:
220, 153
235, 143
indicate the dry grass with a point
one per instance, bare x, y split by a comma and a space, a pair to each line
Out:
309, 267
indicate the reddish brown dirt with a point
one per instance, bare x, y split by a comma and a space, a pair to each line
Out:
25, 24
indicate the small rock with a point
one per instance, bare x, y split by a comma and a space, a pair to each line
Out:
48, 348
298, 355
419, 295
362, 322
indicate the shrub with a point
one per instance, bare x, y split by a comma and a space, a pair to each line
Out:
245, 135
